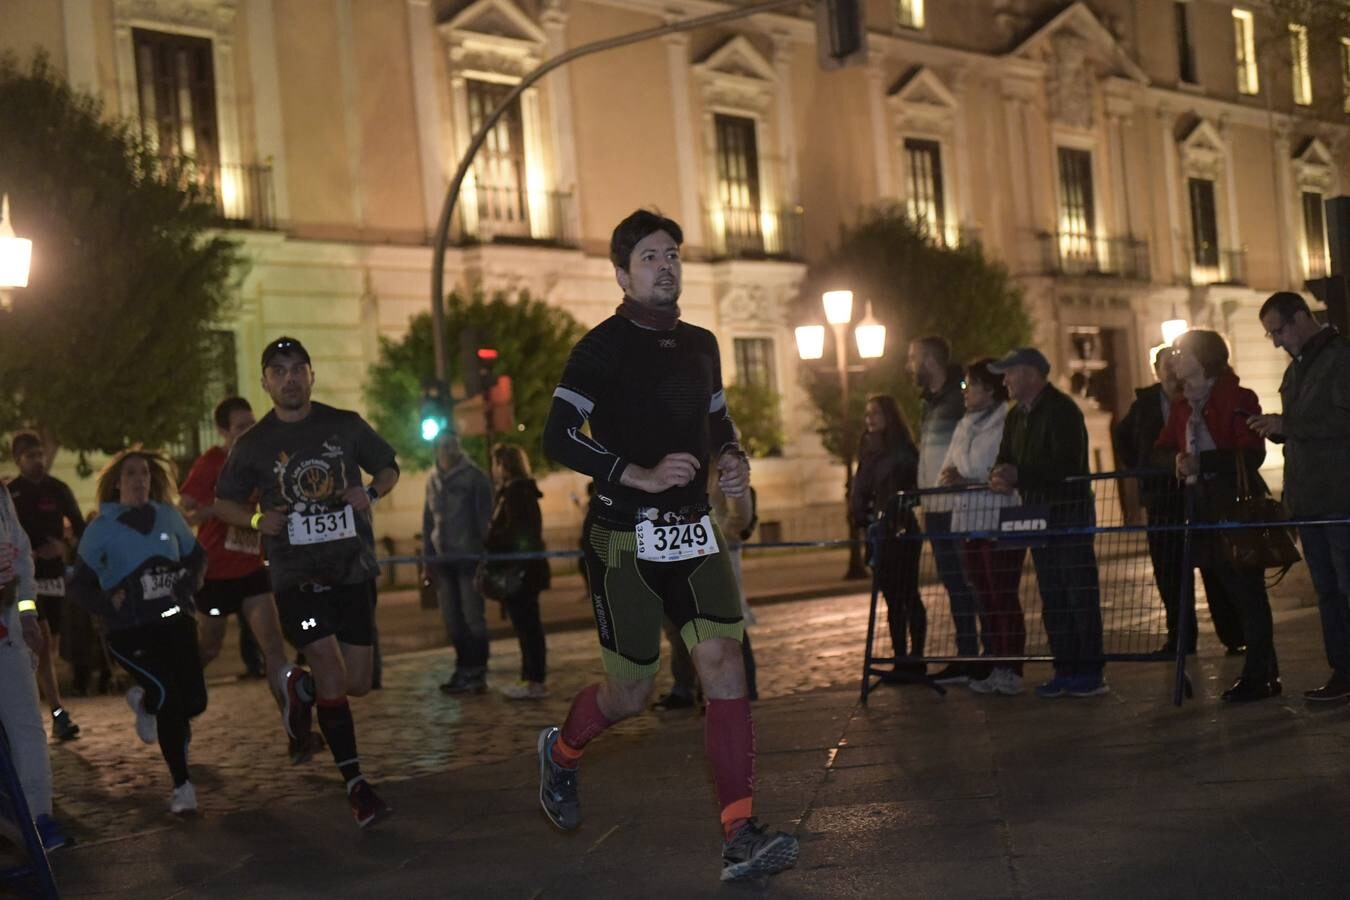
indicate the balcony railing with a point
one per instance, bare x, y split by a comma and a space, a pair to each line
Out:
756, 233
1215, 266
508, 214
1076, 254
241, 192
953, 236
1315, 263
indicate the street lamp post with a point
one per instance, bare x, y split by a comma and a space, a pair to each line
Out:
16, 254
871, 339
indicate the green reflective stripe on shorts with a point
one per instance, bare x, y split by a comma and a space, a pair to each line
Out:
700, 630
624, 669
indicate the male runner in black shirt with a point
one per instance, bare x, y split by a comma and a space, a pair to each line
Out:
304, 460
44, 504
650, 387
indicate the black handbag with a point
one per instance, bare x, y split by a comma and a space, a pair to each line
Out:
499, 580
1265, 546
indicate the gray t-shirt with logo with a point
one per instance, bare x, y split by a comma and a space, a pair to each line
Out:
304, 468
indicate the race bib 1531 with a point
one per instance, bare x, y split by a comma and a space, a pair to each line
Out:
672, 543
320, 528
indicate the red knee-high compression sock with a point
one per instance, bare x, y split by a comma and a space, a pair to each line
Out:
729, 738
584, 722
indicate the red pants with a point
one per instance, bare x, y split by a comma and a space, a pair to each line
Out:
995, 571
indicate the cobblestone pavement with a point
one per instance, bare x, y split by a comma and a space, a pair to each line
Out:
108, 783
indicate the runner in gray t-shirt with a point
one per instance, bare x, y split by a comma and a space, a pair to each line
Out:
302, 464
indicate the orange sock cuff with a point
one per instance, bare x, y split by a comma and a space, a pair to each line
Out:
733, 814
564, 754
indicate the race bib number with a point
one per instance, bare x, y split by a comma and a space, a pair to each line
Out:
672, 543
159, 584
243, 540
321, 528
51, 587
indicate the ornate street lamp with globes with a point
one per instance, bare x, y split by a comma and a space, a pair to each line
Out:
870, 336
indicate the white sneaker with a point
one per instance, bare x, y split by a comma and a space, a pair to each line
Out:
184, 800
525, 690
987, 685
1009, 682
147, 728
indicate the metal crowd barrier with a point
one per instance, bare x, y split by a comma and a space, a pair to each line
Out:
33, 876
969, 590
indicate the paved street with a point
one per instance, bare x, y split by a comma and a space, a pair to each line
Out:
916, 794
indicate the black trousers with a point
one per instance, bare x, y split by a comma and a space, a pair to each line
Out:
1177, 587
898, 578
524, 612
164, 660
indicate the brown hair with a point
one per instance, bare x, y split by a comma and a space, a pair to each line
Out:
162, 477
1208, 347
512, 461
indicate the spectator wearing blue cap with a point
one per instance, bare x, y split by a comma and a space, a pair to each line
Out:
1044, 443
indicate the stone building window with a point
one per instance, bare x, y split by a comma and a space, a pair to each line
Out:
1298, 55
923, 183
909, 13
1244, 39
1181, 11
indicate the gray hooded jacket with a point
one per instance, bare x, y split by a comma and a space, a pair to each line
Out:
457, 510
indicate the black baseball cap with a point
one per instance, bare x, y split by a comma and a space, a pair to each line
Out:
284, 345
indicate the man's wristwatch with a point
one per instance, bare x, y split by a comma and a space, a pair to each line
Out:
373, 494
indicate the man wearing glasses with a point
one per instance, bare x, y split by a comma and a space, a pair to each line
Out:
1314, 427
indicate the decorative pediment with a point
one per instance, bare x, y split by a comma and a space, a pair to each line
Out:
1314, 166
1077, 37
921, 101
206, 15
493, 36
922, 89
737, 57
735, 73
1203, 150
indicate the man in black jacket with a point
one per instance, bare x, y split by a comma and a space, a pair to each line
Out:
1044, 449
1135, 437
1314, 427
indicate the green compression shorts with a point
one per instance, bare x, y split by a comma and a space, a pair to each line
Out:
629, 596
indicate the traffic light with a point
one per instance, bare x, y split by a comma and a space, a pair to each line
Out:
435, 410
841, 33
486, 360
477, 360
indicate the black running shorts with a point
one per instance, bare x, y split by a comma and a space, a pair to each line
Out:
312, 611
629, 596
223, 597
49, 611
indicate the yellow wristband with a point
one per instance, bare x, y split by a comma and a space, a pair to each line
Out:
27, 606
253, 522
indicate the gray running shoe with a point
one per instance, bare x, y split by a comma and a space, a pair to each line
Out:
557, 785
753, 852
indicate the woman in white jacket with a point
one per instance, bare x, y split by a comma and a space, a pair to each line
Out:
20, 641
995, 571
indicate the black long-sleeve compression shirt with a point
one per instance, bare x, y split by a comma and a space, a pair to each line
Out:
645, 394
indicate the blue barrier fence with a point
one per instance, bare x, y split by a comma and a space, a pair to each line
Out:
975, 596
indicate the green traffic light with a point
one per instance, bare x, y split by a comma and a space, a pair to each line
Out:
431, 428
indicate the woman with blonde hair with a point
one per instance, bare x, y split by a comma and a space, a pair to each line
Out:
517, 527
138, 568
